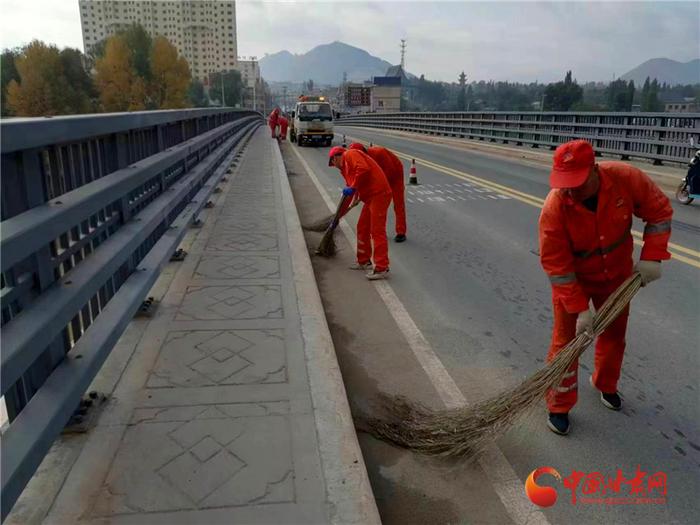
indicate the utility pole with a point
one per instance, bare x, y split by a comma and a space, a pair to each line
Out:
223, 93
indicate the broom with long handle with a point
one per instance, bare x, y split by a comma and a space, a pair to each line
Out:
322, 225
465, 431
326, 248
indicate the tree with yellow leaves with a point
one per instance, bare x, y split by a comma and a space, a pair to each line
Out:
119, 87
48, 82
170, 76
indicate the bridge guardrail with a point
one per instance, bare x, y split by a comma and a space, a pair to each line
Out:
656, 136
92, 209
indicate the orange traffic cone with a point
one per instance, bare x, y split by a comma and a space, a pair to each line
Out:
413, 177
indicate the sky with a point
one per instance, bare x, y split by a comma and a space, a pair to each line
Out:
518, 41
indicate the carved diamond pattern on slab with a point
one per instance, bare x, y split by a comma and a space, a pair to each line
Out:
220, 357
242, 242
227, 357
165, 464
209, 303
248, 224
238, 267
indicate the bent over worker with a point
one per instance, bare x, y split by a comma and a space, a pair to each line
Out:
586, 250
273, 121
365, 179
393, 169
284, 123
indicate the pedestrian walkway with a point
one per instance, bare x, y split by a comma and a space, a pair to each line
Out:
231, 408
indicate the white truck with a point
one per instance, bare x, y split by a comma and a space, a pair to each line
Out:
312, 122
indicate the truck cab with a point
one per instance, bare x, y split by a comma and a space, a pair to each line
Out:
312, 121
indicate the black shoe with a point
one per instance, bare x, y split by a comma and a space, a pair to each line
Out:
612, 401
400, 237
559, 423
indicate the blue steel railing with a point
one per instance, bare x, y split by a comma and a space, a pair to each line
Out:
92, 209
655, 136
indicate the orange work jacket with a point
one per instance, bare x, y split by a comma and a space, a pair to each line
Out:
586, 252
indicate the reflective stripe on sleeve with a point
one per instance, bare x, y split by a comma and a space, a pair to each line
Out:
562, 279
565, 389
659, 227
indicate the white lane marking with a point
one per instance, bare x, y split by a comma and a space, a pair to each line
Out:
504, 197
436, 199
460, 197
409, 200
452, 198
421, 200
493, 197
503, 478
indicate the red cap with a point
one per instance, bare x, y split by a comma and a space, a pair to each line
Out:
335, 150
572, 164
357, 145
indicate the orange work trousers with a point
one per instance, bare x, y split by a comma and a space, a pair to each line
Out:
397, 191
372, 244
609, 351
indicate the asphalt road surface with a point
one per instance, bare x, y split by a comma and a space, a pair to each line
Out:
469, 276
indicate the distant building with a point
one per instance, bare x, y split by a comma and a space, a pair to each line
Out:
203, 31
253, 92
354, 97
687, 105
386, 94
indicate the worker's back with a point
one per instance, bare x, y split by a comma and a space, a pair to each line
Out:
390, 164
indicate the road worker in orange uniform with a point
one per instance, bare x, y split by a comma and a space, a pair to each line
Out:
366, 181
283, 123
393, 169
586, 250
272, 121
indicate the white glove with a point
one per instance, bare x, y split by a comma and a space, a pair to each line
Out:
649, 270
584, 322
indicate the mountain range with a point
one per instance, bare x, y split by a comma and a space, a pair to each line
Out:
327, 63
324, 64
665, 70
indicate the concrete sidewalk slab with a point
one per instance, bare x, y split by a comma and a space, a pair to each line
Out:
231, 408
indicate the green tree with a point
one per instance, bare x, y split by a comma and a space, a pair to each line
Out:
196, 95
620, 95
80, 94
140, 44
561, 96
650, 96
233, 87
9, 72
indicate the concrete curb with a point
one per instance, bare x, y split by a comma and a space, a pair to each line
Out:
348, 490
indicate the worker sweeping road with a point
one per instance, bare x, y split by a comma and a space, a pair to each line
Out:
283, 123
273, 121
586, 250
393, 169
366, 181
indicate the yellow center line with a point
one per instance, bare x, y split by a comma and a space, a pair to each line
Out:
533, 200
